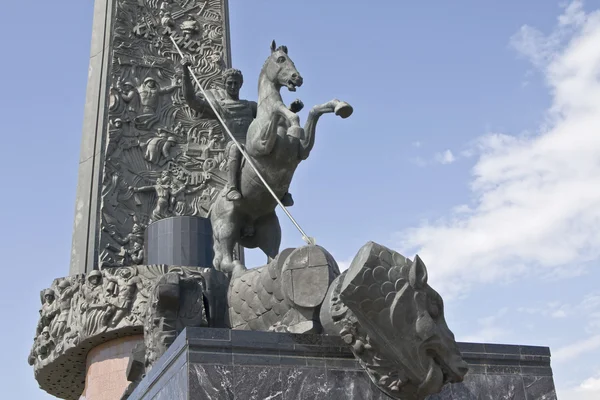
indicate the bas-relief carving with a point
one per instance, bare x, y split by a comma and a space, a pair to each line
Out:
182, 298
81, 307
162, 158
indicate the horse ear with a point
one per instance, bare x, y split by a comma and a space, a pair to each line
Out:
284, 48
417, 276
273, 46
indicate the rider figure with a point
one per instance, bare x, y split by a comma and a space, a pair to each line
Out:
237, 114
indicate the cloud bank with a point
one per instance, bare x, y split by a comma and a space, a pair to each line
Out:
536, 198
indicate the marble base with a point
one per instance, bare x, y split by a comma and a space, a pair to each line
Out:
220, 364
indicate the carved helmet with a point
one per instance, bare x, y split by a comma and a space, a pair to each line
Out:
96, 273
48, 292
64, 284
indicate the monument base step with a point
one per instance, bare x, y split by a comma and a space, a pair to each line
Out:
215, 364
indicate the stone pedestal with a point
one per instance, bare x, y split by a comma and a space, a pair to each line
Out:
180, 241
106, 368
212, 364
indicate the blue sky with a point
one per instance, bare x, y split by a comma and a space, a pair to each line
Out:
474, 142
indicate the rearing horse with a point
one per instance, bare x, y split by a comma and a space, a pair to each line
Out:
276, 143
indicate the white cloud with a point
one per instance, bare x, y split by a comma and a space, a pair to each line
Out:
589, 389
445, 157
590, 384
490, 329
536, 197
576, 349
553, 309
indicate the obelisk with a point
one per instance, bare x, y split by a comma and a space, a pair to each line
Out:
138, 130
146, 157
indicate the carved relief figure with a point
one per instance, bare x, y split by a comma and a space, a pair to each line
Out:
162, 189
134, 254
93, 306
42, 347
150, 92
190, 27
48, 311
121, 291
66, 292
179, 190
160, 145
130, 96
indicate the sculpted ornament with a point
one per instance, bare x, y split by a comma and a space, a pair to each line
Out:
382, 307
82, 311
177, 301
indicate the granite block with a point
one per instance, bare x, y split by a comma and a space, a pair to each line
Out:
305, 384
241, 365
257, 383
539, 388
503, 387
211, 382
349, 385
176, 388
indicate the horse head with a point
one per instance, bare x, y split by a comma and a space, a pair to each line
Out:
280, 69
384, 308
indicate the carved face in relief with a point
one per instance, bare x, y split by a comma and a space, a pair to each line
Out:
280, 68
49, 297
125, 273
94, 278
150, 83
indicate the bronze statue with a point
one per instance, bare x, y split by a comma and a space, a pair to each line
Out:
276, 144
238, 114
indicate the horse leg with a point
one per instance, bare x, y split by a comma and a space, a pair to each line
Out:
267, 234
340, 108
226, 233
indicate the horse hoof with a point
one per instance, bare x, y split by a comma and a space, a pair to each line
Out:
343, 109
